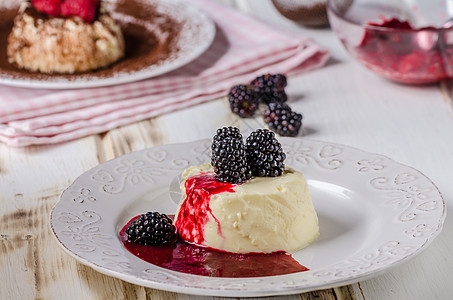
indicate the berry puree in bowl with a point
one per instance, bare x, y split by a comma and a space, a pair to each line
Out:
404, 41
407, 55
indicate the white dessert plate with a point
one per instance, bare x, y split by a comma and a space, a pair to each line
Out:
374, 214
196, 33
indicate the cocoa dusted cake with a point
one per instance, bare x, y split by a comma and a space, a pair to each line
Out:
64, 36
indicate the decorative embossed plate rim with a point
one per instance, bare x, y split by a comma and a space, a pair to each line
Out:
386, 214
195, 37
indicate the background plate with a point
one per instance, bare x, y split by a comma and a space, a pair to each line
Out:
195, 33
374, 214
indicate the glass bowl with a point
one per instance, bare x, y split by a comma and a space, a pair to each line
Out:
408, 41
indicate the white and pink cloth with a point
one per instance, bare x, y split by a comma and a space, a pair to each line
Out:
243, 49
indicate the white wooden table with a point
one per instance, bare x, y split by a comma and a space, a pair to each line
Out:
342, 102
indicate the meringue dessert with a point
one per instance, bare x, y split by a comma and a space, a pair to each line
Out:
261, 215
56, 40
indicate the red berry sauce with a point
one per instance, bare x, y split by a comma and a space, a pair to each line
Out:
195, 211
185, 256
188, 258
404, 55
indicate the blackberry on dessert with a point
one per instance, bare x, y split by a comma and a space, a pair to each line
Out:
225, 132
228, 157
265, 154
64, 36
282, 119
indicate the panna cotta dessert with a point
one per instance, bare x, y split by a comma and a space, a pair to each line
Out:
242, 215
246, 200
264, 214
64, 36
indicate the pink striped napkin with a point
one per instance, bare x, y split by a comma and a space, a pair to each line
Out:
33, 116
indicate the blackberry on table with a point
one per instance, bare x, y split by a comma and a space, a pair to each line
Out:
229, 131
243, 100
270, 88
265, 153
151, 228
229, 161
282, 119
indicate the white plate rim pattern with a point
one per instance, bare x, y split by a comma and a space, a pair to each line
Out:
200, 39
85, 230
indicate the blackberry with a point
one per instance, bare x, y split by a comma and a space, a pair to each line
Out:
243, 100
227, 132
270, 88
282, 119
265, 153
229, 161
151, 228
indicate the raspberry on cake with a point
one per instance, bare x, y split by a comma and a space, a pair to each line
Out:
64, 36
270, 212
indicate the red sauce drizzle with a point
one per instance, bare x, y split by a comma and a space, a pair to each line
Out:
195, 211
192, 259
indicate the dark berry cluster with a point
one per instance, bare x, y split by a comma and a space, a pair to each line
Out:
151, 228
265, 153
225, 132
282, 119
236, 162
243, 100
268, 89
228, 153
